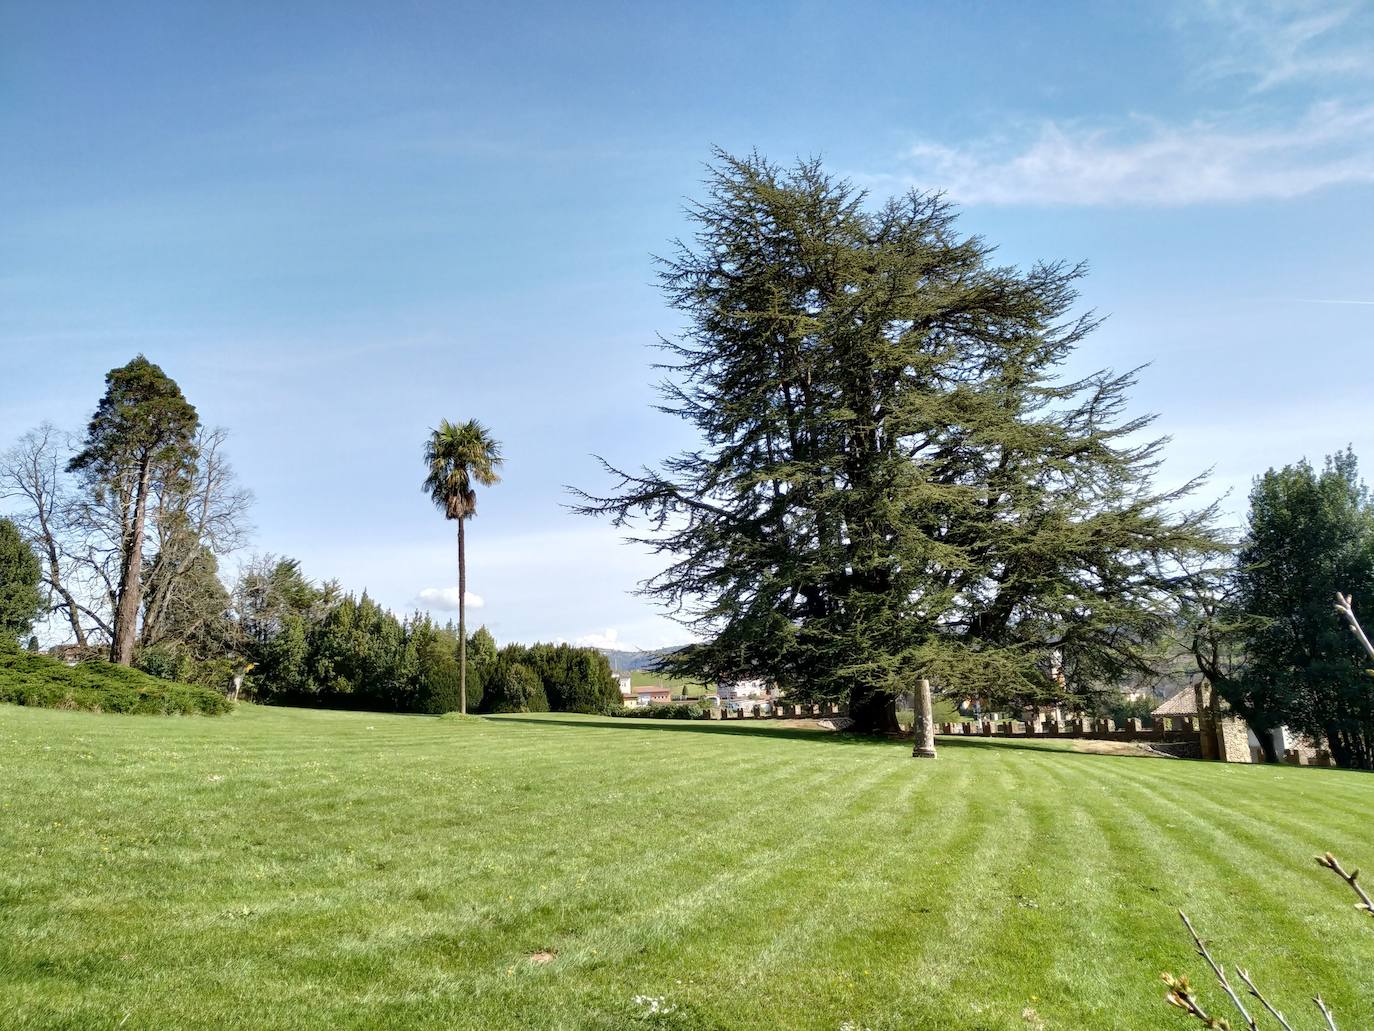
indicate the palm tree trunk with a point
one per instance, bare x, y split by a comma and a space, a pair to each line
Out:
462, 623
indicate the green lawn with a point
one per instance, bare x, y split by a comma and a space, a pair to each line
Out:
299, 869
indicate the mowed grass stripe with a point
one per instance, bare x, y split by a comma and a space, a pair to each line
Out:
984, 922
399, 876
886, 862
1241, 884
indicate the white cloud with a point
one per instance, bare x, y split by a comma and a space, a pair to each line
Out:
609, 639
1156, 164
1278, 42
446, 598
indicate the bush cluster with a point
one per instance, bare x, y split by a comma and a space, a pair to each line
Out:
668, 711
545, 677
312, 645
38, 680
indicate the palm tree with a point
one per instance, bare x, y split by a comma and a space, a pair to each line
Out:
459, 457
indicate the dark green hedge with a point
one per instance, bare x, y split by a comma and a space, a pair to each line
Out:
665, 711
27, 679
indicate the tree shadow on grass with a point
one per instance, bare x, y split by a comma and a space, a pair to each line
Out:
720, 727
1057, 746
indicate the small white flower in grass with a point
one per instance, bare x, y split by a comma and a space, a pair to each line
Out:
215, 778
653, 1005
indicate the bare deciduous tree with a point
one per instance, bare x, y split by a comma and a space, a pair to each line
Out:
33, 472
80, 529
202, 508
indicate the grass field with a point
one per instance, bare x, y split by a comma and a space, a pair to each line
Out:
295, 869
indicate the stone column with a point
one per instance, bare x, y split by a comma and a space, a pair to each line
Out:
925, 723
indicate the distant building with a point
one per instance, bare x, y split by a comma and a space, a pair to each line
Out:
638, 697
1184, 703
642, 697
740, 690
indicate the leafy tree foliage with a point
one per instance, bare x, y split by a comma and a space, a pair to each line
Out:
458, 457
435, 668
140, 437
572, 679
482, 657
1310, 535
514, 687
313, 645
194, 611
895, 478
21, 599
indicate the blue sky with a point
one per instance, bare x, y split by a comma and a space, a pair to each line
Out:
338, 223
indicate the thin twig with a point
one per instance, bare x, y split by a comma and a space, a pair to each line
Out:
1330, 1020
1345, 606
1181, 995
1245, 976
1352, 878
1220, 973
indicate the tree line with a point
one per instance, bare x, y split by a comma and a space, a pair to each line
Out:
311, 645
898, 480
120, 533
1264, 629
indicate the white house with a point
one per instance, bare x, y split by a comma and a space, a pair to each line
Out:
639, 697
740, 690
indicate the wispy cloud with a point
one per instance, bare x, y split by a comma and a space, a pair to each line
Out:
1278, 42
1330, 300
446, 599
1154, 163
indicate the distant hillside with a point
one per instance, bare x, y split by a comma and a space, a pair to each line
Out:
629, 661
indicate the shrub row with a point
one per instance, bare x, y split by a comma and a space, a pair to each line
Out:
668, 711
38, 680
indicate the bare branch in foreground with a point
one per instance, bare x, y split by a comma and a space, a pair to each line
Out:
1245, 976
1346, 607
1181, 995
1220, 973
1352, 878
1326, 1013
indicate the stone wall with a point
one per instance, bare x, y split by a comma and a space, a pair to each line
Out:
781, 711
1177, 729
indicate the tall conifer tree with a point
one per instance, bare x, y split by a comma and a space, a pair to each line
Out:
141, 435
894, 479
